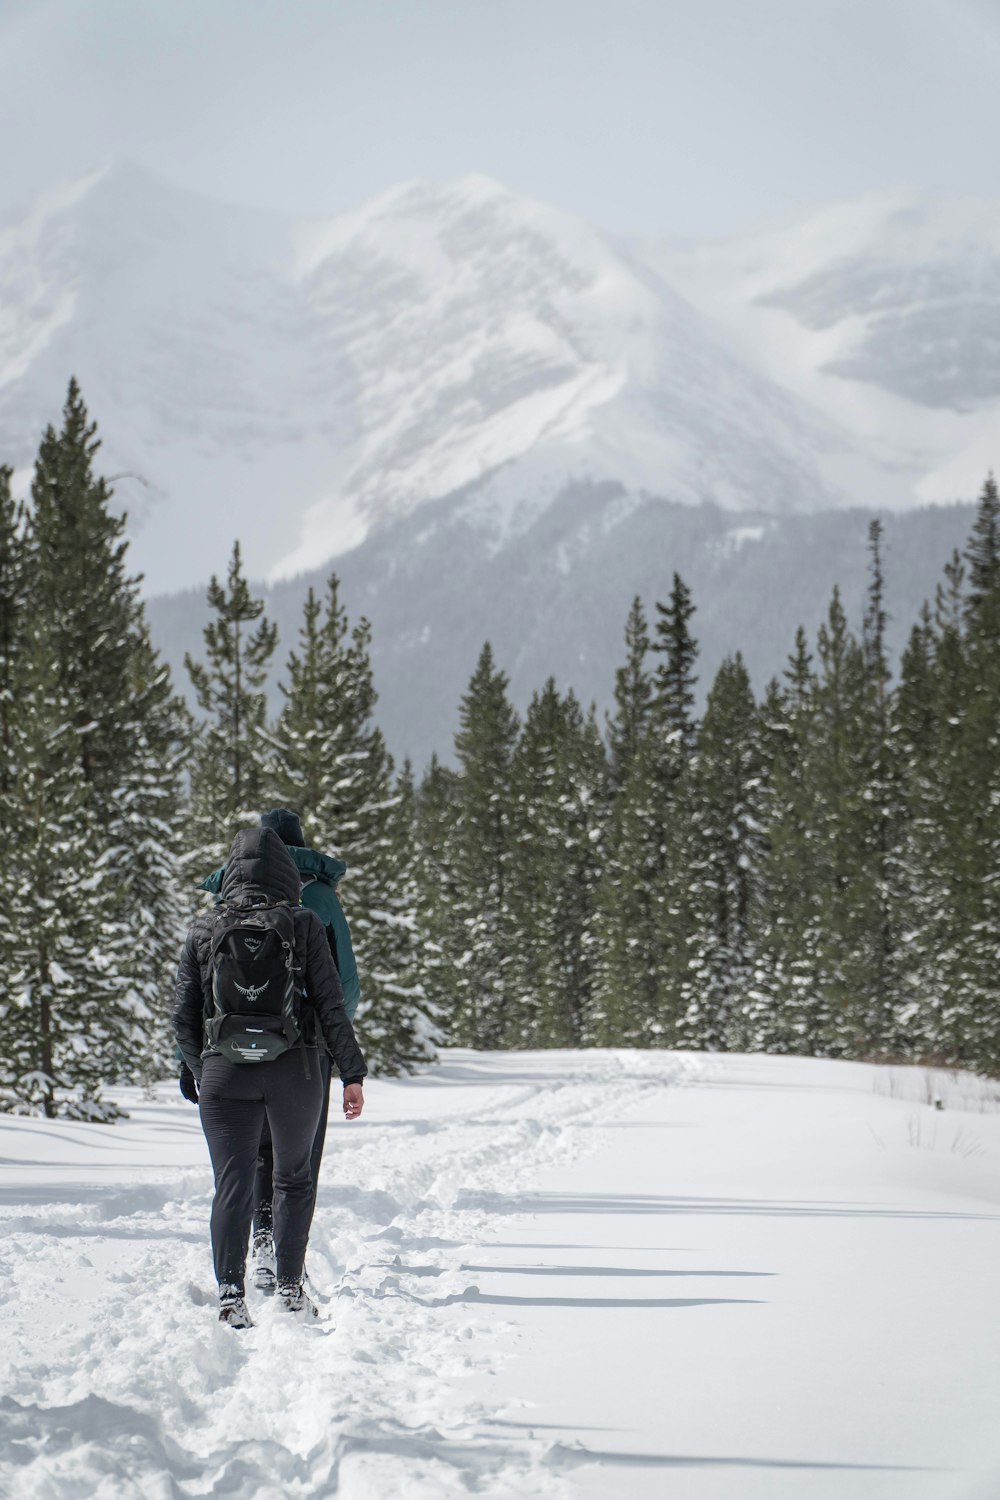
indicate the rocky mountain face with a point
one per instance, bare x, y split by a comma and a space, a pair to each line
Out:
495, 421
553, 601
883, 312
303, 384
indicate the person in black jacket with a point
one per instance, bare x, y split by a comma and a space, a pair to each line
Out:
235, 1099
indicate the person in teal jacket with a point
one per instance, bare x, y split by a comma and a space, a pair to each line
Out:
320, 875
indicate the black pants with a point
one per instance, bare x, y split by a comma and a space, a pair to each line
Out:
263, 1184
235, 1101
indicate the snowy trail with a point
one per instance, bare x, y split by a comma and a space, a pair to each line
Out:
550, 1274
116, 1379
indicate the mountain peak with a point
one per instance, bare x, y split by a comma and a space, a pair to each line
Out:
302, 383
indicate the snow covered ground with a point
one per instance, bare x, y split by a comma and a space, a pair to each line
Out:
549, 1274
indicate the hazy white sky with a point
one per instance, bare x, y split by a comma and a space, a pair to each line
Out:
663, 116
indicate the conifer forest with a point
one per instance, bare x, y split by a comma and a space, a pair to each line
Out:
814, 871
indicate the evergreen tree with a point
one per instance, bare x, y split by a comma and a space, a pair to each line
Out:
434, 868
65, 1031
230, 748
630, 961
626, 980
13, 623
883, 797
633, 696
330, 760
397, 1019
143, 835
484, 745
329, 757
557, 802
975, 848
675, 674
838, 772
674, 729
983, 557
80, 584
942, 807
949, 734
949, 599
726, 797
87, 657
643, 909
789, 913
918, 890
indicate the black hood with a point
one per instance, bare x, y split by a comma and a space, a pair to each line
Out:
258, 866
285, 824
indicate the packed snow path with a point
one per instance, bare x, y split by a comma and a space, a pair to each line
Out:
551, 1274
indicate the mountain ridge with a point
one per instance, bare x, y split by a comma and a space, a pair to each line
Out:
304, 381
553, 600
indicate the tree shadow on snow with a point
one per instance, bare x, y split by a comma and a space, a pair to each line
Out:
648, 1203
564, 1455
598, 1271
472, 1294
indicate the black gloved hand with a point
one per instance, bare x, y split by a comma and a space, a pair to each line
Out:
187, 1084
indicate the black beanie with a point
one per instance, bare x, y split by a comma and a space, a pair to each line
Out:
286, 825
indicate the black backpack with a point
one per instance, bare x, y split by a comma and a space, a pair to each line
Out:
255, 1005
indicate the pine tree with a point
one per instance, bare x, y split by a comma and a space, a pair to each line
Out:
917, 868
484, 745
143, 834
329, 761
787, 984
883, 795
941, 805
230, 749
89, 657
13, 624
675, 675
557, 802
397, 1019
675, 734
329, 757
983, 557
65, 1032
838, 765
949, 730
633, 696
726, 796
630, 961
643, 913
937, 1013
434, 858
80, 584
949, 598
977, 845
626, 984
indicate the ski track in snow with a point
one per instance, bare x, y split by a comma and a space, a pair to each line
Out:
119, 1384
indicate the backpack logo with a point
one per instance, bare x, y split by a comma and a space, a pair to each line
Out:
255, 1003
251, 992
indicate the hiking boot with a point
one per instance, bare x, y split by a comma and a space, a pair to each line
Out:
295, 1299
233, 1309
264, 1278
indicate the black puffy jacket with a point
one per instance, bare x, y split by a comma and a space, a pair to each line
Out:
259, 870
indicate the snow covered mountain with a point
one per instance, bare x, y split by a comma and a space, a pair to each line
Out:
303, 384
883, 312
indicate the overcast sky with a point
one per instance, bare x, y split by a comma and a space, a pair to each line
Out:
662, 116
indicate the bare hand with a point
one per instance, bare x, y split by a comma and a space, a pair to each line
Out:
354, 1101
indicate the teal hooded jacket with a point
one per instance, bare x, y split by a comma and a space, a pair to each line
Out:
320, 874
